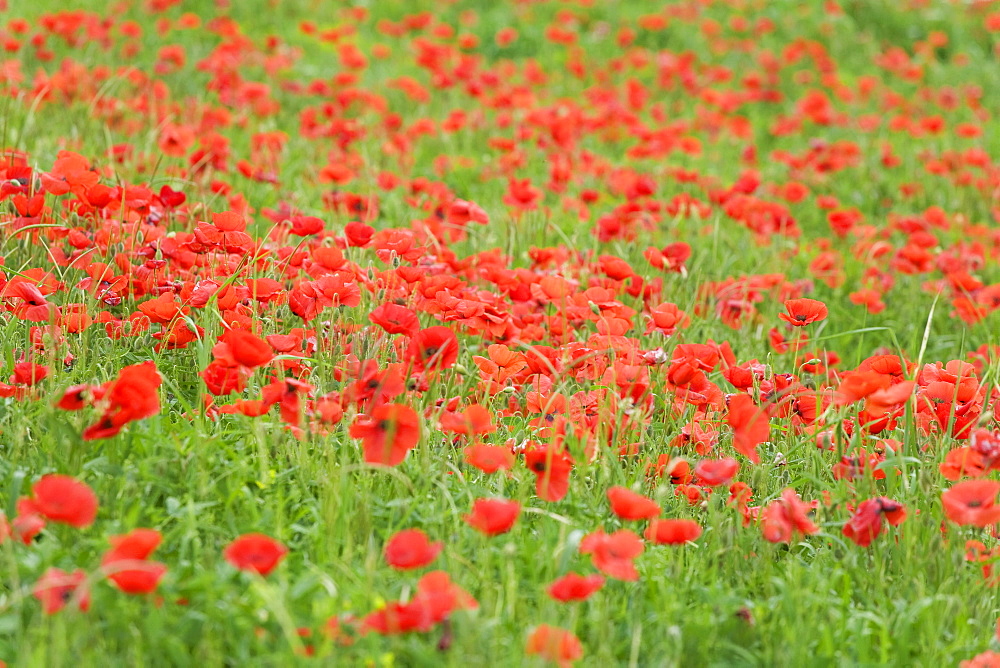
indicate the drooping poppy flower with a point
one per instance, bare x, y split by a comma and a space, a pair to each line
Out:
574, 587
391, 431
60, 498
673, 532
866, 524
802, 312
255, 553
433, 348
614, 554
972, 503
493, 516
56, 588
628, 505
410, 548
554, 644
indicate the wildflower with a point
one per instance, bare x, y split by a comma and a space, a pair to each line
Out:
628, 505
255, 553
614, 554
409, 549
866, 524
972, 503
493, 516
60, 498
388, 434
574, 587
673, 532
802, 312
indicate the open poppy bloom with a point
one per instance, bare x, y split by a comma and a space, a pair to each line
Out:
244, 349
573, 587
628, 505
391, 431
489, 458
255, 553
60, 498
395, 319
409, 549
614, 554
972, 503
802, 312
673, 532
493, 516
433, 348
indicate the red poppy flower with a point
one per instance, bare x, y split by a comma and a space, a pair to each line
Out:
802, 312
358, 234
493, 516
551, 466
243, 348
56, 588
716, 472
628, 505
866, 524
436, 598
391, 431
131, 396
613, 554
972, 503
433, 348
410, 548
136, 544
786, 516
673, 532
750, 426
554, 644
28, 523
64, 499
395, 319
223, 378
126, 565
255, 553
473, 420
573, 587
489, 458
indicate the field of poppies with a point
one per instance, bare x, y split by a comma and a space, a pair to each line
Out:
517, 333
